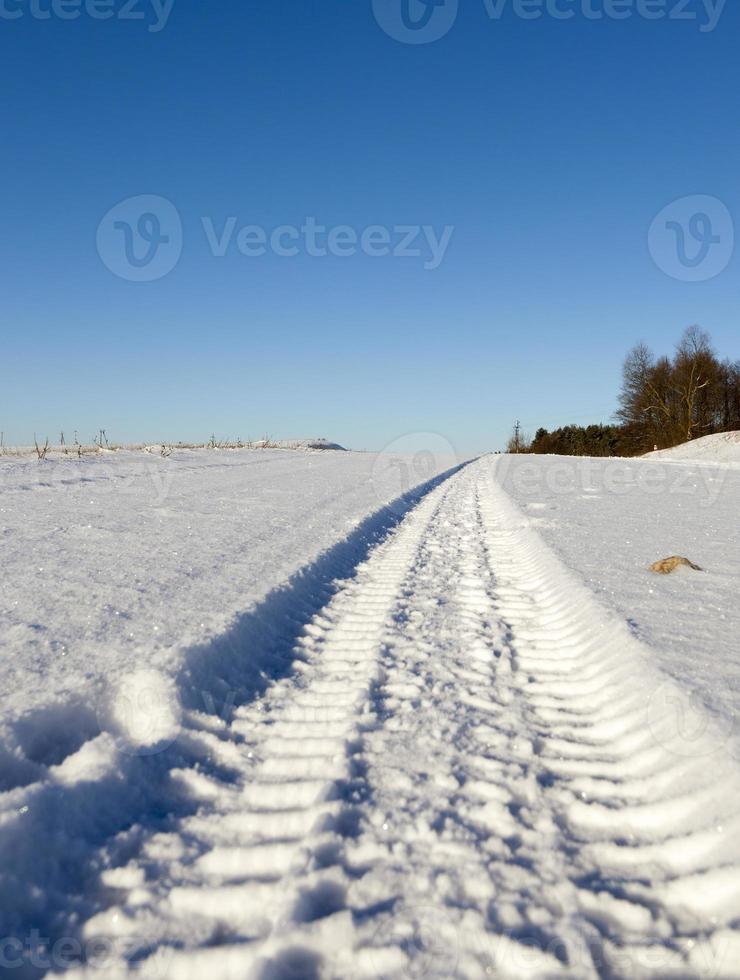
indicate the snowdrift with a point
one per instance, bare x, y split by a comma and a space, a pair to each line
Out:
724, 447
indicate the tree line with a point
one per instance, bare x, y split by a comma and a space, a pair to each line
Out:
663, 401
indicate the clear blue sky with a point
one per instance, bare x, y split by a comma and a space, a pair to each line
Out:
549, 146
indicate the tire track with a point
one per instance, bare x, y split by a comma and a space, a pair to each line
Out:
253, 884
537, 808
647, 808
81, 786
461, 864
474, 771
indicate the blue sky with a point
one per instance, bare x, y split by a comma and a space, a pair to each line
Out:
548, 145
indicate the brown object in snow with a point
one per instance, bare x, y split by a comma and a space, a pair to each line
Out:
668, 565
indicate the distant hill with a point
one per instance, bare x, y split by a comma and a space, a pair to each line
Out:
299, 444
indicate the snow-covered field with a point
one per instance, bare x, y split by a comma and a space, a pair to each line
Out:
115, 562
608, 520
265, 717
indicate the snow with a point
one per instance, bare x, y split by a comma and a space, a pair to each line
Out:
609, 520
723, 447
447, 732
130, 560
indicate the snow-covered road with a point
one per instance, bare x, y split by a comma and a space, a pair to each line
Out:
473, 769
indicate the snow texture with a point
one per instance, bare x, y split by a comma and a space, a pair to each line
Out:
439, 750
609, 520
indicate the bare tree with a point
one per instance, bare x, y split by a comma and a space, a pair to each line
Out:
41, 451
695, 367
